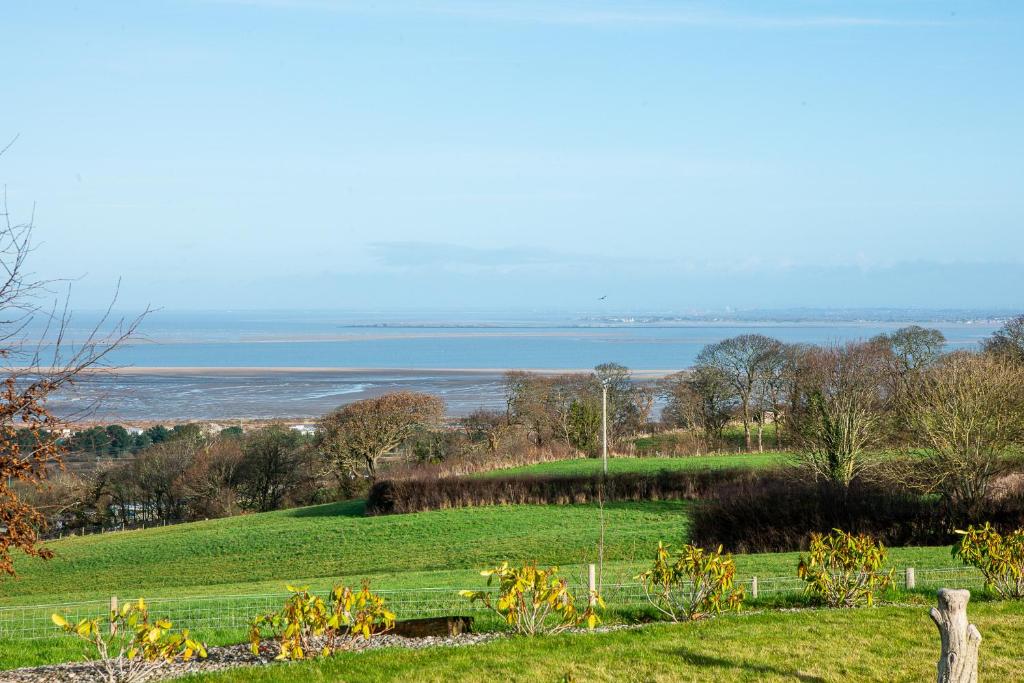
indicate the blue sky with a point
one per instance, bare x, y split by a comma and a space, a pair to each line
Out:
445, 154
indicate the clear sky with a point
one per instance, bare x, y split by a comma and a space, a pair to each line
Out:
529, 154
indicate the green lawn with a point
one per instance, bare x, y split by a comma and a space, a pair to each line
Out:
874, 644
258, 554
646, 465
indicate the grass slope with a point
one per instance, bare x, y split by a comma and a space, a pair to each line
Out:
336, 541
874, 644
645, 465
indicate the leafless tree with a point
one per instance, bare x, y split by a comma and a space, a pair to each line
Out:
744, 360
841, 408
37, 359
489, 425
1007, 341
273, 464
912, 350
968, 410
701, 399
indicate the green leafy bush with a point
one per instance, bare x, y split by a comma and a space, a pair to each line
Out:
128, 646
307, 624
1000, 558
694, 584
844, 570
535, 601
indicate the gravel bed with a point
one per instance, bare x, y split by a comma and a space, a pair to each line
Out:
229, 656
219, 658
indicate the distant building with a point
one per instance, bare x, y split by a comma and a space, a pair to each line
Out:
304, 429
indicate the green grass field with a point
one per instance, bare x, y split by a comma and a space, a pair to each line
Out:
874, 644
317, 546
646, 465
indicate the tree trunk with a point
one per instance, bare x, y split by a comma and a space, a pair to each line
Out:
960, 639
746, 426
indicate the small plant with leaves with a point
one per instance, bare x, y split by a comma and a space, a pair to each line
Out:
307, 625
1000, 558
128, 646
845, 570
694, 584
535, 601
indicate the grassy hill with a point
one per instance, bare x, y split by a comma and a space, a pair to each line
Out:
262, 551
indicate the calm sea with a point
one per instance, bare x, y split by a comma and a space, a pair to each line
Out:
295, 365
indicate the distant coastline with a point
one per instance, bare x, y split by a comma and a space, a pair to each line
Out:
284, 370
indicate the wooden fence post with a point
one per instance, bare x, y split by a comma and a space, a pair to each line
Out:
753, 588
592, 578
958, 662
911, 579
113, 611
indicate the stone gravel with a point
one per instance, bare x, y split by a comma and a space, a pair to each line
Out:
219, 658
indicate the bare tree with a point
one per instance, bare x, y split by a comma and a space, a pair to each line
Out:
701, 398
361, 432
37, 359
968, 409
272, 465
209, 483
629, 402
1007, 341
841, 408
529, 404
912, 350
489, 425
744, 361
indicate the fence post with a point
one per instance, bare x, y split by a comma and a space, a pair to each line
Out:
113, 611
592, 579
753, 588
911, 579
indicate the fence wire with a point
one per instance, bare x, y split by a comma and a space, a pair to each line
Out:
208, 614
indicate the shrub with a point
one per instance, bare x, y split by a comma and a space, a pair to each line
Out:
535, 601
693, 585
777, 511
420, 495
844, 570
307, 624
128, 646
1000, 558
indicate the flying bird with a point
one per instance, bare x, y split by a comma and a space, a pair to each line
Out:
602, 298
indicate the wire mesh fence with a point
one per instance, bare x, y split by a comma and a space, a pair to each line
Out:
232, 613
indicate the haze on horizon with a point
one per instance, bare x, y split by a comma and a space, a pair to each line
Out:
333, 154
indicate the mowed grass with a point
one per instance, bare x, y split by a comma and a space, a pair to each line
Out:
261, 552
873, 644
317, 546
617, 465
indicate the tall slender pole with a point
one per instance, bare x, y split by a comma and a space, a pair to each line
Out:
604, 425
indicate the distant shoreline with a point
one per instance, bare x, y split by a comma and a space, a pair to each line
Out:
278, 370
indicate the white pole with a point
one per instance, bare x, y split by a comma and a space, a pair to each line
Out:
604, 424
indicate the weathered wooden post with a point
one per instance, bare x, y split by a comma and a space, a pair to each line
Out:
113, 613
911, 579
753, 588
592, 580
960, 639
